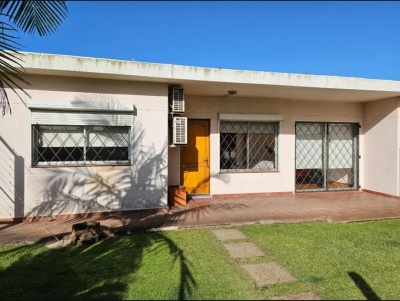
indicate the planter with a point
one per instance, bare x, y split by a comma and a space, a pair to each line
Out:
176, 196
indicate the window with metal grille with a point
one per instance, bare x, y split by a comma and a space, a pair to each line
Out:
80, 145
248, 146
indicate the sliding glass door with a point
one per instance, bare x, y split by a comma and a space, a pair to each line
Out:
326, 156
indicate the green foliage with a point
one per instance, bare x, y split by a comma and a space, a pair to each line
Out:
178, 265
324, 256
42, 17
335, 261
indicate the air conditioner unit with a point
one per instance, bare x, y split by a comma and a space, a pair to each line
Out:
179, 130
177, 100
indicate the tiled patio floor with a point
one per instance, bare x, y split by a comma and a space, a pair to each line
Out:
330, 206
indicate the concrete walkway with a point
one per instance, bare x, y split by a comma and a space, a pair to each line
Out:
330, 206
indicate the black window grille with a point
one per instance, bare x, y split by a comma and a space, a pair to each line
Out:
80, 145
326, 156
248, 146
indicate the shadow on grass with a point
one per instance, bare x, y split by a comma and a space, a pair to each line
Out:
106, 270
363, 286
393, 243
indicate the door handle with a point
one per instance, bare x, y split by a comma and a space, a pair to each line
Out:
206, 160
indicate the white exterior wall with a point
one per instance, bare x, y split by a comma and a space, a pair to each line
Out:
381, 146
292, 111
70, 190
31, 191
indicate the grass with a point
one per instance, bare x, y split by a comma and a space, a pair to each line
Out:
335, 261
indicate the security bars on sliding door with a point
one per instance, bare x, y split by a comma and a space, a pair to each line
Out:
248, 146
326, 156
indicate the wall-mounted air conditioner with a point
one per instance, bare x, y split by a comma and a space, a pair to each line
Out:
179, 130
177, 100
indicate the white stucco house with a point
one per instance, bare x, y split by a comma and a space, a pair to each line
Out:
100, 135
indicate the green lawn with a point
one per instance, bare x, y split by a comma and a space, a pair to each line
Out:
335, 261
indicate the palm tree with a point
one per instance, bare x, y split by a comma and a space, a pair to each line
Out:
41, 17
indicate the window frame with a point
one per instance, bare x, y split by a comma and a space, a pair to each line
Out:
251, 118
86, 146
81, 113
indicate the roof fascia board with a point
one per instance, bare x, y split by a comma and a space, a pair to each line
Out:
139, 71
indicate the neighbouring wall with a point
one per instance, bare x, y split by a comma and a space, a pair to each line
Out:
28, 191
380, 156
292, 111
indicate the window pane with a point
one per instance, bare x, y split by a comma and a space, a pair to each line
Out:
248, 146
58, 144
79, 145
234, 127
232, 149
108, 136
262, 127
108, 144
262, 152
309, 145
61, 136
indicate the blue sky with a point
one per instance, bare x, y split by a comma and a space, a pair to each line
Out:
344, 38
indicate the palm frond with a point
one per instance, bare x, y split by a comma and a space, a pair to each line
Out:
11, 69
4, 104
30, 16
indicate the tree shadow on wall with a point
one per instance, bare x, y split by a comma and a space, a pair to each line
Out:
12, 182
107, 270
72, 190
84, 190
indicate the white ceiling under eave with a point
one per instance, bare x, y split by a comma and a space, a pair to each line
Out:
284, 92
216, 81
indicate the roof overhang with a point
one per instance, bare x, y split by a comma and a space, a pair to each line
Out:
215, 81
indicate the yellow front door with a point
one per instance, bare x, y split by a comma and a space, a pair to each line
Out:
195, 158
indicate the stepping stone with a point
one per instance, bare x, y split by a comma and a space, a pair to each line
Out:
229, 234
245, 249
268, 273
305, 296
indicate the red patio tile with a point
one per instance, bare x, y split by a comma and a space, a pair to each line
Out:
268, 208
